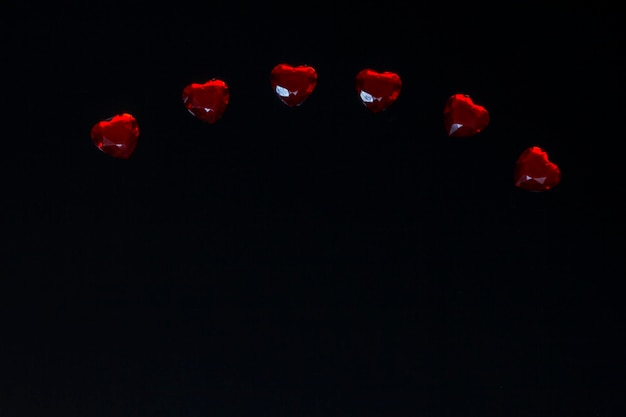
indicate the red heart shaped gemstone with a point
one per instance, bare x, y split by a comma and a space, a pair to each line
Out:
462, 117
378, 90
535, 172
206, 101
293, 85
116, 136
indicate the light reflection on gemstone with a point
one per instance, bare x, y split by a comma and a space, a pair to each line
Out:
454, 128
367, 97
282, 91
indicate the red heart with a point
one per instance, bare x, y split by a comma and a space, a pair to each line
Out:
206, 101
462, 117
535, 172
378, 90
116, 136
293, 85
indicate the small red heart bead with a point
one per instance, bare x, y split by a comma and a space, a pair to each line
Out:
378, 90
116, 136
535, 172
293, 85
462, 117
206, 101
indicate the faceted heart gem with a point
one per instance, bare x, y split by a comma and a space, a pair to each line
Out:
378, 90
206, 101
116, 136
462, 117
535, 172
293, 85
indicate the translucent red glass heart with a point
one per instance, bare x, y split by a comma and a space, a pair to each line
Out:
463, 118
293, 85
535, 172
378, 90
206, 101
116, 136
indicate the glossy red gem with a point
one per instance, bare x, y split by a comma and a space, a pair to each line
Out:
206, 101
293, 85
462, 117
116, 136
378, 90
535, 172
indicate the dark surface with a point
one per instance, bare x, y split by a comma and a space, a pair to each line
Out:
313, 261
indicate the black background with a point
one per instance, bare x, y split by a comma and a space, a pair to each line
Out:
315, 261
